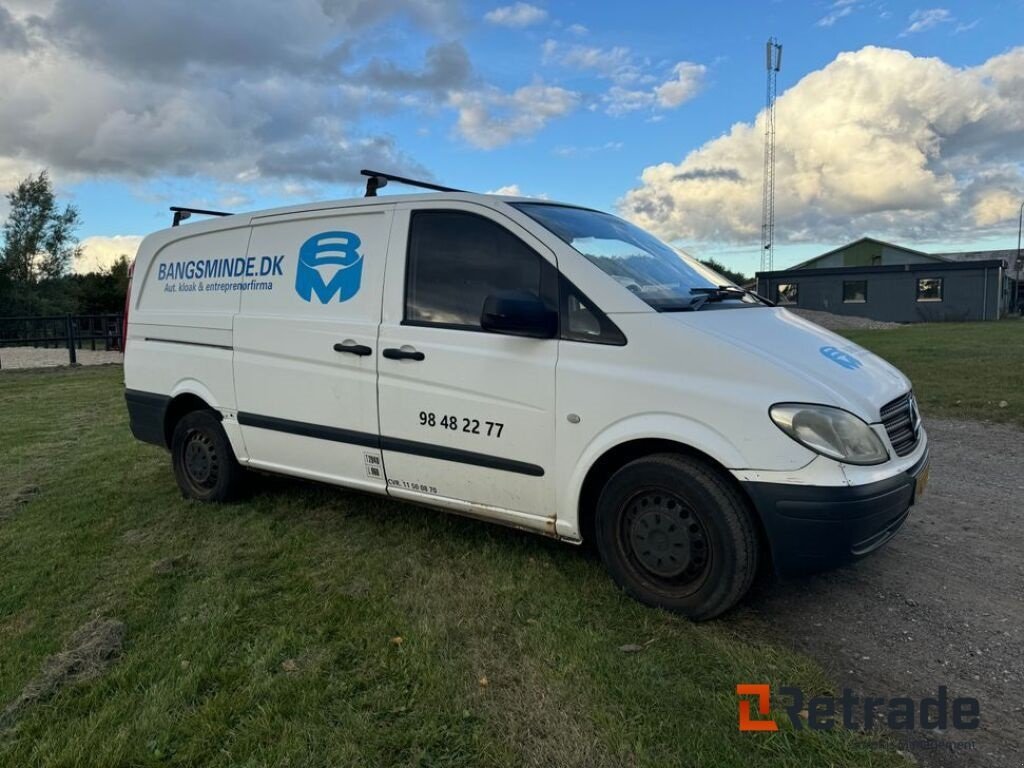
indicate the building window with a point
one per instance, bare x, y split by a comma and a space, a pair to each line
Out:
929, 289
787, 293
855, 291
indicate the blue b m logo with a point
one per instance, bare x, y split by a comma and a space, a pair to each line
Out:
837, 356
317, 257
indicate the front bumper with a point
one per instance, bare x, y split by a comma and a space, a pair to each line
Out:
813, 528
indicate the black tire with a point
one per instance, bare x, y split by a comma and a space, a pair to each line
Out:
204, 464
674, 533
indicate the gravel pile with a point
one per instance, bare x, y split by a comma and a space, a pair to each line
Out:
843, 322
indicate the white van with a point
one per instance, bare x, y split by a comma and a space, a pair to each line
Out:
536, 364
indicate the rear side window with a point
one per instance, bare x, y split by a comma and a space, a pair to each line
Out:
457, 259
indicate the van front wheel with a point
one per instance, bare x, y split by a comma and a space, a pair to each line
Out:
204, 464
675, 534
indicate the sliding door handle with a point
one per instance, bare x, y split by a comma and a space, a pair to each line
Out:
352, 348
394, 353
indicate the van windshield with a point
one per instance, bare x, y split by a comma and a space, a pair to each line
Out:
657, 273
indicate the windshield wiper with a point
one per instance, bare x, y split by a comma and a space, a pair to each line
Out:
701, 296
721, 293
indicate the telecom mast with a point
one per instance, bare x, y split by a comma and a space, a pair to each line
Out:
773, 63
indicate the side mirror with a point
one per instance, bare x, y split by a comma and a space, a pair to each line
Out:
518, 314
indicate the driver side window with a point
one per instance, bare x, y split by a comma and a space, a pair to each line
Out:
457, 259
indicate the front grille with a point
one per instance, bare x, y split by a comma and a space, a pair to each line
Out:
902, 423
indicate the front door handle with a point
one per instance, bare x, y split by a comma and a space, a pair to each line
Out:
352, 348
393, 353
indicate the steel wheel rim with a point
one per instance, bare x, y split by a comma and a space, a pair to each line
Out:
200, 461
665, 540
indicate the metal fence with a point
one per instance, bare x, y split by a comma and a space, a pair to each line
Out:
70, 332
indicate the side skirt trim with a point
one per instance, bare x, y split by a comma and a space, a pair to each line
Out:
398, 445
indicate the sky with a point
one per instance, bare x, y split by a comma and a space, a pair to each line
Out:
900, 120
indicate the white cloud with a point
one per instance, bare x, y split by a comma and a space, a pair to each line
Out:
619, 101
518, 15
234, 201
272, 93
686, 81
513, 190
108, 94
99, 252
617, 64
840, 9
577, 29
995, 206
877, 141
635, 84
587, 151
921, 20
491, 118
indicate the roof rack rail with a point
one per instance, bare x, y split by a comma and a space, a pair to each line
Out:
180, 213
377, 179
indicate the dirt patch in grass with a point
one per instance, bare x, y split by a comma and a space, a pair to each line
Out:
9, 503
138, 536
88, 652
357, 588
169, 565
16, 625
542, 723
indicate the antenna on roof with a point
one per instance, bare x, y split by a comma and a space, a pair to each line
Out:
377, 179
180, 214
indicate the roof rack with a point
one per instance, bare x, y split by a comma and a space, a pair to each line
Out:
180, 214
376, 179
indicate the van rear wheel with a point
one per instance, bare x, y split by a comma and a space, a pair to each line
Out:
675, 534
204, 464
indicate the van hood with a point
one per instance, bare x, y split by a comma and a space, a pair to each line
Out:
841, 373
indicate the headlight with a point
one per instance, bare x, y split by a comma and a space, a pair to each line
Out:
831, 432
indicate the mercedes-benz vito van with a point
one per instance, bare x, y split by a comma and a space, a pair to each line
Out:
537, 364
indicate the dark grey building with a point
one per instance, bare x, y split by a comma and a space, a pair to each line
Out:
882, 281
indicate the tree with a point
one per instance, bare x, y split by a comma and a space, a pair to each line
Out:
101, 291
39, 237
737, 277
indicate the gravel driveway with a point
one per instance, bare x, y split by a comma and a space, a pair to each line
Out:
941, 604
843, 322
12, 358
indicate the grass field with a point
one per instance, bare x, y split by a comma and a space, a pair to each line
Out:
960, 370
313, 627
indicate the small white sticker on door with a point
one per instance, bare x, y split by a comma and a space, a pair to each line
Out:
374, 466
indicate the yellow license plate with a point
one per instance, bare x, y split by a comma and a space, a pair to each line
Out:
922, 483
